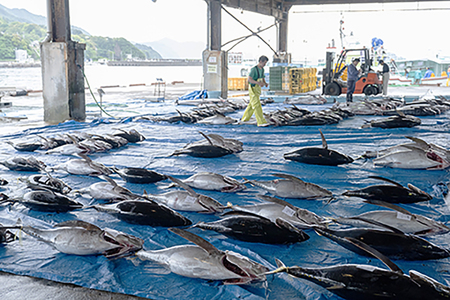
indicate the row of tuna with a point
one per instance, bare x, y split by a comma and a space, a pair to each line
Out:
401, 114
276, 221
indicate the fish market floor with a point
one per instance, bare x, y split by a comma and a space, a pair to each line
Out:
24, 287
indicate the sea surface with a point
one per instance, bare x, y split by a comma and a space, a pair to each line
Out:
103, 75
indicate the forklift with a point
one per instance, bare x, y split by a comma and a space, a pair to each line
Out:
369, 83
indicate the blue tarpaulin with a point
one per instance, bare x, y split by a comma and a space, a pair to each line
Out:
262, 156
198, 94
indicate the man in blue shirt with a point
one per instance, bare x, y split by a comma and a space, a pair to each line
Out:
428, 73
352, 78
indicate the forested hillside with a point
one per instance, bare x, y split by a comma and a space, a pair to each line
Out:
26, 36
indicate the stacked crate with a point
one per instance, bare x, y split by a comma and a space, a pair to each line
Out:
296, 80
279, 78
238, 84
302, 80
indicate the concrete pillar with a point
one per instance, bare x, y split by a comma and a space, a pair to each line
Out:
215, 73
215, 61
62, 63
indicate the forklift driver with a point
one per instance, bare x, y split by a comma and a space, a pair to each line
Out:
352, 78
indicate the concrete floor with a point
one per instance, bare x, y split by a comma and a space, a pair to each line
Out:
16, 287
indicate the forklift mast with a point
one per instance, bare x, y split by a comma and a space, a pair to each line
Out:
328, 71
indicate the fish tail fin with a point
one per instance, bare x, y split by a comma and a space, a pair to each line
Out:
247, 181
281, 267
279, 263
329, 201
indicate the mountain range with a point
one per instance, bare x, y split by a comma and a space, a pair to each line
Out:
166, 48
24, 16
169, 48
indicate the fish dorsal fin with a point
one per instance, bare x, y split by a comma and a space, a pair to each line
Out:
115, 170
216, 137
85, 157
285, 224
390, 206
387, 180
287, 176
123, 130
78, 223
42, 137
375, 253
420, 143
74, 140
179, 112
400, 113
277, 201
207, 138
324, 141
109, 179
183, 185
202, 243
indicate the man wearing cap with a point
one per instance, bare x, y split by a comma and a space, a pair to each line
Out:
385, 74
352, 78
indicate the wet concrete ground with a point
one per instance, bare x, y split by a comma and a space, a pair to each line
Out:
15, 287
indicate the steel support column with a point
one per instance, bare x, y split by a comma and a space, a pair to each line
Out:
215, 25
215, 69
282, 35
59, 20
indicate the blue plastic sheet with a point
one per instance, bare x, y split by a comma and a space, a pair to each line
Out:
198, 94
262, 156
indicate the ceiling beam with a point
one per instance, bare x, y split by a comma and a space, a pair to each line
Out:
274, 8
280, 8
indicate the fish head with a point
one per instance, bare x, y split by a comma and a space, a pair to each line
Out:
438, 157
6, 236
247, 269
234, 185
429, 282
434, 227
125, 244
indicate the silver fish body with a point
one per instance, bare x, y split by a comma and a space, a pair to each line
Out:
83, 167
287, 188
184, 201
300, 218
69, 149
193, 261
414, 224
412, 159
108, 191
82, 238
214, 182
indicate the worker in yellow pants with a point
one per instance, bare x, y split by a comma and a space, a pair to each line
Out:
256, 82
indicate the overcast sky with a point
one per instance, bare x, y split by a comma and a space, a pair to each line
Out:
406, 31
